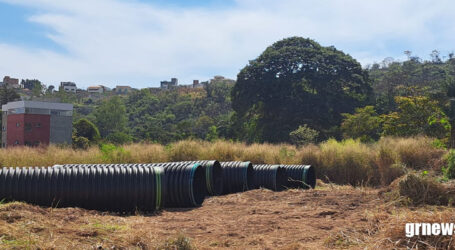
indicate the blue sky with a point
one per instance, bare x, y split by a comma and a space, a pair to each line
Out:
141, 42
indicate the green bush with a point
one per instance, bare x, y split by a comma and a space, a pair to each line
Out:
85, 128
80, 142
303, 135
119, 138
449, 170
114, 154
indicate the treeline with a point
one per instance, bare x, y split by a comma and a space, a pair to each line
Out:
161, 116
295, 91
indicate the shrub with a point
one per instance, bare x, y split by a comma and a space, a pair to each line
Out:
119, 138
347, 162
303, 135
423, 190
85, 128
80, 142
449, 170
114, 154
415, 153
189, 150
365, 124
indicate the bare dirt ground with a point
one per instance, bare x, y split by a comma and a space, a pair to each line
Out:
327, 217
254, 219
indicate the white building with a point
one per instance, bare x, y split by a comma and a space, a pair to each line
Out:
69, 86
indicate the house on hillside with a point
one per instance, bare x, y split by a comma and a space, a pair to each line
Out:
122, 89
98, 89
11, 82
169, 84
68, 87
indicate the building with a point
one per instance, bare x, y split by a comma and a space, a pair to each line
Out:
197, 84
11, 82
33, 123
98, 89
68, 87
122, 89
169, 85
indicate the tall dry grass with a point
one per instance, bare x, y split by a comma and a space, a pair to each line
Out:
345, 162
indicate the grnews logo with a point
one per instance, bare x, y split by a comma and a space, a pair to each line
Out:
429, 229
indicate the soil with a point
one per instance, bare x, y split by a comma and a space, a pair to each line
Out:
259, 219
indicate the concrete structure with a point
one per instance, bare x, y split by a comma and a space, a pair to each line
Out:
98, 89
11, 82
169, 85
122, 89
68, 87
197, 84
35, 123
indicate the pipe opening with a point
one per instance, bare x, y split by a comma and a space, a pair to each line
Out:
199, 185
250, 176
217, 178
281, 179
310, 176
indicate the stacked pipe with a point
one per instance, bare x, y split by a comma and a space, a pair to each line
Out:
300, 176
185, 183
237, 176
110, 188
272, 177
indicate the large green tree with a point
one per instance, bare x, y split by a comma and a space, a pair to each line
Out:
111, 116
297, 81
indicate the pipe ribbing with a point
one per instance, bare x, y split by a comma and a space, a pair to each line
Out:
237, 176
213, 176
272, 177
100, 188
185, 182
300, 176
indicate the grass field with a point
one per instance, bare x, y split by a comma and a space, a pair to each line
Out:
346, 162
370, 212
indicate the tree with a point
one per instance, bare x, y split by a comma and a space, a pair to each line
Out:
7, 95
31, 84
111, 116
364, 124
85, 128
303, 135
417, 115
297, 81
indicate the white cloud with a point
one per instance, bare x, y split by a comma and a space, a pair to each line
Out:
127, 42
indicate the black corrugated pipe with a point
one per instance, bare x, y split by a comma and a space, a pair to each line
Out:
185, 182
272, 177
213, 176
112, 188
237, 176
300, 176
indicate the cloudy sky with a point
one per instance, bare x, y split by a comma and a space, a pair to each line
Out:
141, 42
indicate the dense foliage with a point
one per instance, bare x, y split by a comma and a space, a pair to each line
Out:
296, 81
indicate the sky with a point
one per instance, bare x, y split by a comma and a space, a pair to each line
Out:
142, 42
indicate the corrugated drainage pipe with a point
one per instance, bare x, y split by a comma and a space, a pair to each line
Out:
101, 188
300, 176
272, 177
237, 176
185, 182
213, 176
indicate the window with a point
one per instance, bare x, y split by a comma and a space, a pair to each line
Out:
16, 142
3, 128
38, 125
18, 124
28, 127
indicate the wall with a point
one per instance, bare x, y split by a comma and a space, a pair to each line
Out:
38, 129
61, 129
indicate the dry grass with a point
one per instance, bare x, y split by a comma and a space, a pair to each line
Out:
346, 162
